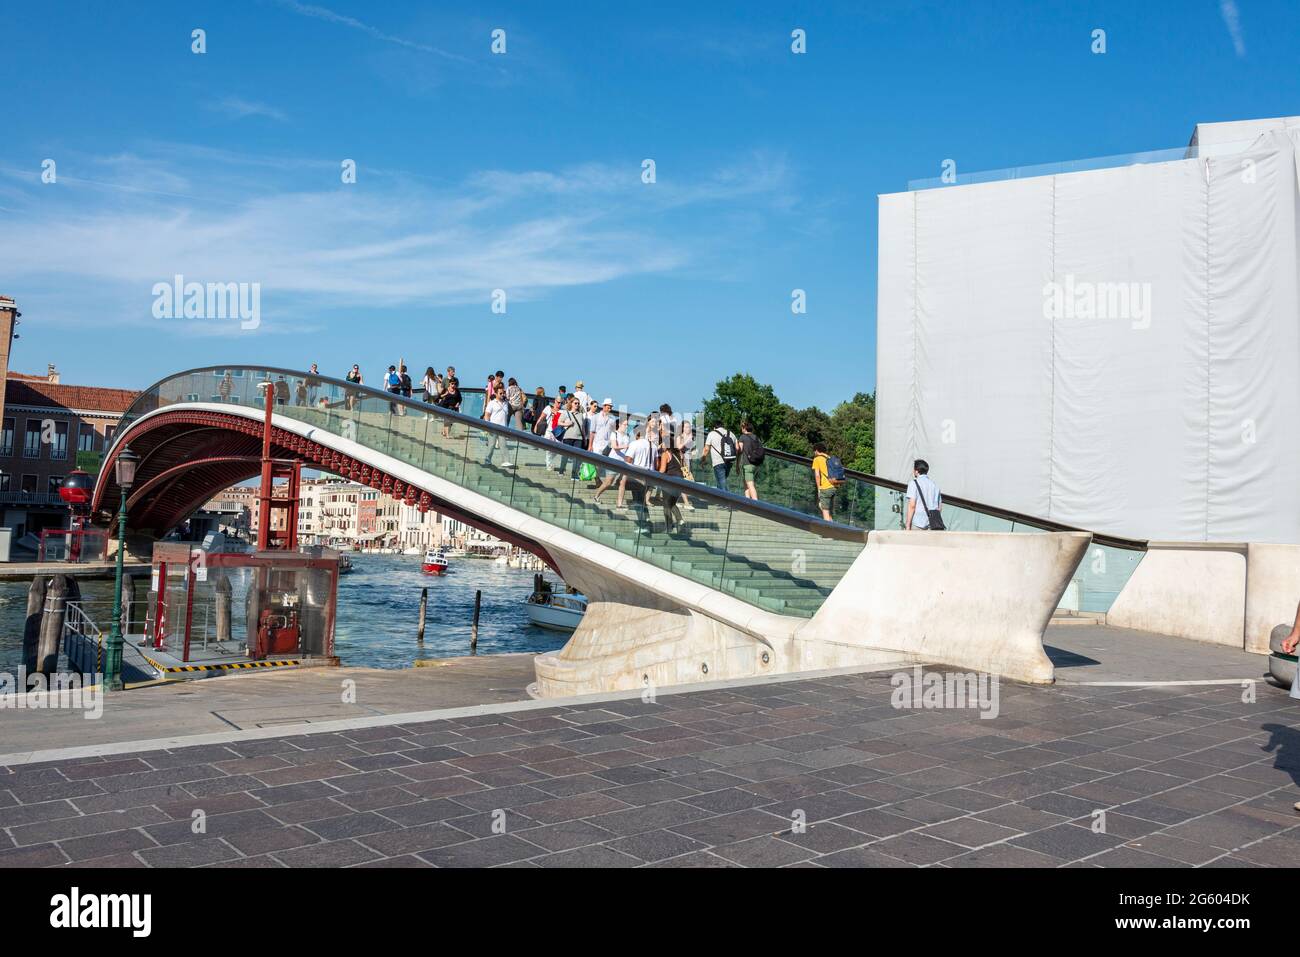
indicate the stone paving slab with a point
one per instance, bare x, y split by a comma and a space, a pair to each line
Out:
820, 772
245, 700
1088, 653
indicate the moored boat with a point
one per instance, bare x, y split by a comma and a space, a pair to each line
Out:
435, 562
556, 611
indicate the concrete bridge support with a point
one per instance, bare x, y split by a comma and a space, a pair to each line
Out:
978, 601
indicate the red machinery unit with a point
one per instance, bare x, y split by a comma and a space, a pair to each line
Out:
77, 490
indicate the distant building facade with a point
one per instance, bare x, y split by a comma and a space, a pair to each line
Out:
48, 429
345, 514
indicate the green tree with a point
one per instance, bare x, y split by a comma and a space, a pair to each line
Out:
743, 397
852, 432
849, 431
800, 429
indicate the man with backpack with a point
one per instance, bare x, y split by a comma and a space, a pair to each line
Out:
922, 488
393, 385
403, 387
752, 454
828, 472
516, 399
721, 443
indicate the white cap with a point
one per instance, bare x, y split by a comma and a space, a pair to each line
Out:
608, 402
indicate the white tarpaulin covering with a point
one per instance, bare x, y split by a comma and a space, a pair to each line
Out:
1116, 349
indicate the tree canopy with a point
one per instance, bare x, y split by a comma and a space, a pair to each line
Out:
849, 431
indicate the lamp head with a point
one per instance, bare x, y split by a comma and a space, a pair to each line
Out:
124, 468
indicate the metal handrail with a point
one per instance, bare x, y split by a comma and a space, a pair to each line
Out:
776, 513
994, 511
701, 490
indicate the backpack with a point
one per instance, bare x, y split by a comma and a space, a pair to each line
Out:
834, 470
754, 451
728, 444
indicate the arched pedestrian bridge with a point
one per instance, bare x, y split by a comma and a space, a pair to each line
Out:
738, 588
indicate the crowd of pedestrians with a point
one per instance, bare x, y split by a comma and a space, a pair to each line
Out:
663, 442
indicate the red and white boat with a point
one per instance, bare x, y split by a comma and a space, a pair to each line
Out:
435, 562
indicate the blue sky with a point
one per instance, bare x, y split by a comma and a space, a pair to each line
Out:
522, 171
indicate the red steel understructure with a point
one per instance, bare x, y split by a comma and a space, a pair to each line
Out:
188, 456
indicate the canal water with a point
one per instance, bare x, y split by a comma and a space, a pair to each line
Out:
379, 608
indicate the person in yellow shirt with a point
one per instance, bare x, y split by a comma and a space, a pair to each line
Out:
825, 487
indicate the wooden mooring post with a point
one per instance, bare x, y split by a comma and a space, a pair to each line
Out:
62, 589
222, 590
424, 607
32, 627
473, 633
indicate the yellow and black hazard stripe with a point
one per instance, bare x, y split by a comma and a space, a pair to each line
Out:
231, 666
222, 666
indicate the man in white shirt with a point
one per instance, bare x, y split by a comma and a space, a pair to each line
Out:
497, 411
929, 499
641, 455
600, 428
639, 452
602, 424
580, 394
722, 444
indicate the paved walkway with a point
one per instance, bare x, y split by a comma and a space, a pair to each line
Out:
297, 699
1102, 653
1186, 775
292, 698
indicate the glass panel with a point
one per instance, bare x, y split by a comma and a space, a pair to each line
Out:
769, 554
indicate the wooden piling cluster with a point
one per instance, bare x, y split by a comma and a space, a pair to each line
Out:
47, 607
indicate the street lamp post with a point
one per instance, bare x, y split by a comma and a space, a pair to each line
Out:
124, 469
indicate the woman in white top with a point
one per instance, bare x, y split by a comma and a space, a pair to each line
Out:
432, 386
542, 428
654, 437
618, 443
686, 445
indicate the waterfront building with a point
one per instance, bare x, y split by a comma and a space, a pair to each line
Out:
50, 428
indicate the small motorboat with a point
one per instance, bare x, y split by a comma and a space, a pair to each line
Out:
435, 562
556, 611
345, 564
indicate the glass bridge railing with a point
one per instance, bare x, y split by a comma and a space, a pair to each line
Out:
873, 503
864, 503
773, 558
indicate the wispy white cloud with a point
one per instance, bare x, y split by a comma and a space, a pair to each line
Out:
238, 108
315, 244
321, 13
1232, 20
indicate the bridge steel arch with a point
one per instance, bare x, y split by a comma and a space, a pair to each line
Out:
188, 455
